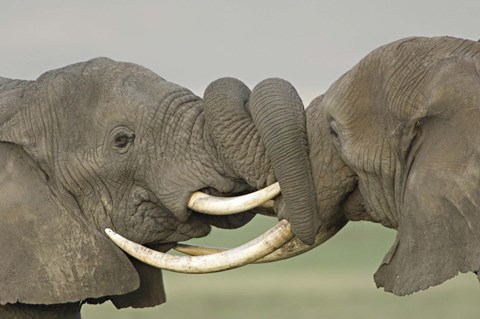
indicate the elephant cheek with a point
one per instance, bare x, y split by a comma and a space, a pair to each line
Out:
333, 180
336, 189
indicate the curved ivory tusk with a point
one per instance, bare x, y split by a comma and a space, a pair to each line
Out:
255, 249
213, 205
293, 248
267, 204
296, 247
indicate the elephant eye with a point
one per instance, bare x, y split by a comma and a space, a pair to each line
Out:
120, 139
123, 139
420, 122
334, 130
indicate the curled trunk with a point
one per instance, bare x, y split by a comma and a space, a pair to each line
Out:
279, 116
261, 133
233, 131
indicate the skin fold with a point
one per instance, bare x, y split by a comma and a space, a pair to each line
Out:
109, 144
400, 129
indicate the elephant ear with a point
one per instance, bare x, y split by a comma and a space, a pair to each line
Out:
49, 255
439, 226
151, 292
438, 236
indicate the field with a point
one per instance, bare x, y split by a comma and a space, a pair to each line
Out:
333, 281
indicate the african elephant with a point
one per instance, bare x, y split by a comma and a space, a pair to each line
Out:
104, 144
396, 141
402, 128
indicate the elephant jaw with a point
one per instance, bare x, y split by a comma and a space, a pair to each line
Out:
275, 244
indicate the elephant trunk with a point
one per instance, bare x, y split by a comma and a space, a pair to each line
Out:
233, 132
279, 116
262, 137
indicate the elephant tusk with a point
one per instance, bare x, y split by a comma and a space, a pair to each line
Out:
213, 205
296, 247
247, 253
292, 248
198, 250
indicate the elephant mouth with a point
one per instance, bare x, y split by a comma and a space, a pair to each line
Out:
275, 244
161, 227
353, 206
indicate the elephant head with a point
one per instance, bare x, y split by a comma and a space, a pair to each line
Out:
402, 129
103, 144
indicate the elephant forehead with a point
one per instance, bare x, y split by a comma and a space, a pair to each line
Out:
109, 105
398, 77
102, 90
83, 84
131, 97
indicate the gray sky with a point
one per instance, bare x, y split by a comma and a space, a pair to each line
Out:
309, 43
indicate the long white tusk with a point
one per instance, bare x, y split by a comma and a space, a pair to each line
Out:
293, 248
213, 205
296, 247
247, 253
197, 250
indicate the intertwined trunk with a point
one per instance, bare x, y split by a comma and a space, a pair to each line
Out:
262, 136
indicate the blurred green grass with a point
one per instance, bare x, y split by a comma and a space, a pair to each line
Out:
333, 281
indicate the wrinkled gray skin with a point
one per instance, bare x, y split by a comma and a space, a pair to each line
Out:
403, 129
107, 144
